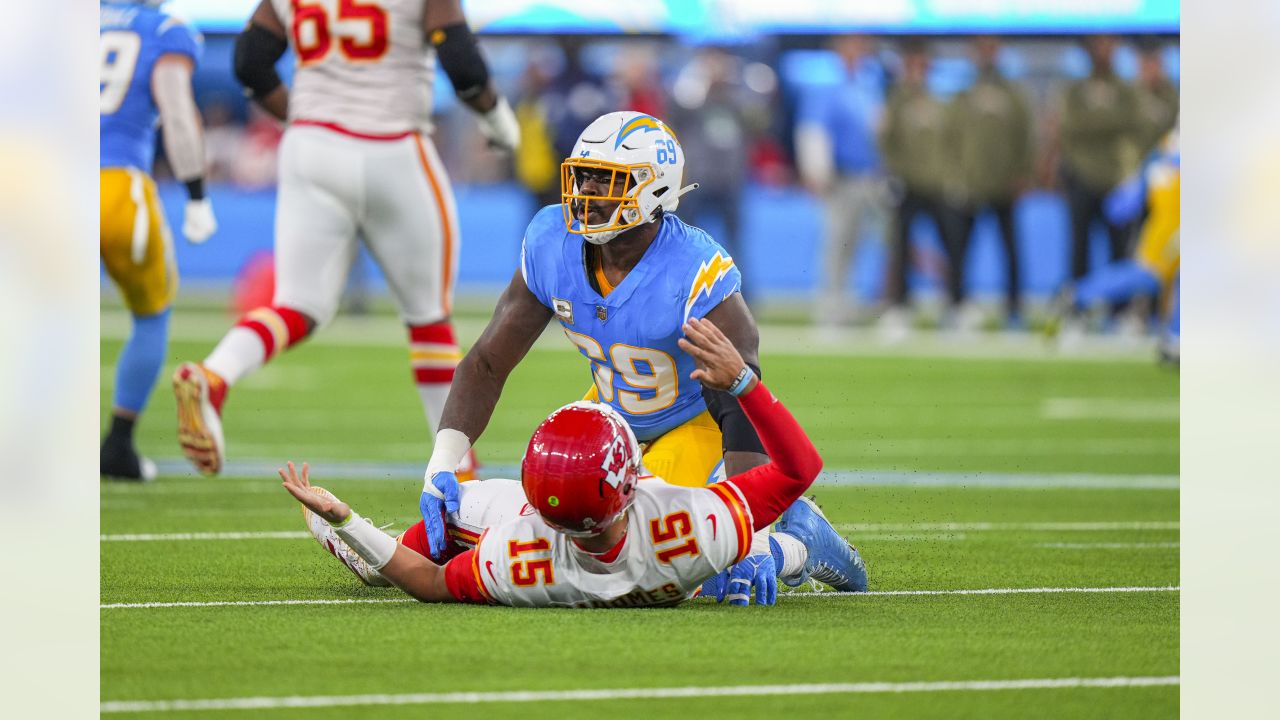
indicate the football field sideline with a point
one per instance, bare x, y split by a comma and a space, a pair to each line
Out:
531, 696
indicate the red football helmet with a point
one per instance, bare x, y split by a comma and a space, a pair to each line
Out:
580, 469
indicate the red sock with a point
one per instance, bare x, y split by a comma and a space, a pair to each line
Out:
279, 328
433, 352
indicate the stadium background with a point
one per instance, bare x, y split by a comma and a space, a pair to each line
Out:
645, 52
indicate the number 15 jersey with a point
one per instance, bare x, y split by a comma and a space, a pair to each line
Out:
630, 334
676, 539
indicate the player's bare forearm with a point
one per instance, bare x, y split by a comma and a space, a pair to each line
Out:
419, 577
407, 570
518, 320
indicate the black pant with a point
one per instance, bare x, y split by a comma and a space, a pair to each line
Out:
916, 203
1085, 205
964, 218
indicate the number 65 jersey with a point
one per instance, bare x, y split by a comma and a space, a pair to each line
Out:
630, 333
676, 539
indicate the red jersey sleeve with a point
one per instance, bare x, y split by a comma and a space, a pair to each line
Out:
462, 577
794, 461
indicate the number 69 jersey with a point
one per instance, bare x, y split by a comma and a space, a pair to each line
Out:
676, 539
630, 334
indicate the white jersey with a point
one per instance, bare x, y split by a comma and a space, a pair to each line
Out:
365, 67
676, 539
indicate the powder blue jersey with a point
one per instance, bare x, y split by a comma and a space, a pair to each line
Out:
630, 335
133, 37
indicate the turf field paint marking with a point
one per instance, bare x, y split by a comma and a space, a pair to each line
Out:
989, 591
1130, 410
1007, 527
412, 472
171, 537
832, 594
257, 603
472, 698
1109, 546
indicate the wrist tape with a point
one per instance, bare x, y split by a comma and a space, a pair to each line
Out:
370, 543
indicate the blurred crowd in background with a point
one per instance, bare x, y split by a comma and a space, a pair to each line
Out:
883, 130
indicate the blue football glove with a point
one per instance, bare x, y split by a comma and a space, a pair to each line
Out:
716, 587
439, 496
758, 570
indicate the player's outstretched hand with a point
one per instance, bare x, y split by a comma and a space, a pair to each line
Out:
718, 362
439, 496
299, 486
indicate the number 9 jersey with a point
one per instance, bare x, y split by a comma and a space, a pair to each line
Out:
630, 334
132, 38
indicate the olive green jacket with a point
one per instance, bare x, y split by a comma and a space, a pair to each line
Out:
990, 138
914, 140
1101, 137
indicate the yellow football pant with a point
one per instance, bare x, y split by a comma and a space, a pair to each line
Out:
135, 244
685, 455
1159, 247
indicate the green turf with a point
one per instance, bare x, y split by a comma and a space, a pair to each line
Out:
331, 401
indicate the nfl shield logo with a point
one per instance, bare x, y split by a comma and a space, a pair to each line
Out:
601, 313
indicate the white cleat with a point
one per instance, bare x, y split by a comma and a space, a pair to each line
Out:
328, 538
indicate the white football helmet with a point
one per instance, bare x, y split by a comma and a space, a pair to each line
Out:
646, 166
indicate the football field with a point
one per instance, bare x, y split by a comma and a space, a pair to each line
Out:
1017, 510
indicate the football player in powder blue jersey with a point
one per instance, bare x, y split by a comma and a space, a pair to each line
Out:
147, 58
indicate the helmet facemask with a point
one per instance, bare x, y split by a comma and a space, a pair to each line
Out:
623, 187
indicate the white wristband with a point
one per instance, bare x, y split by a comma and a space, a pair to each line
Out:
370, 543
450, 449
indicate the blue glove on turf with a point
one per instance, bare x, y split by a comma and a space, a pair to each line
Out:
439, 496
758, 570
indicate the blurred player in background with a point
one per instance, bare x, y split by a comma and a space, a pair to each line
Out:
147, 61
1153, 270
354, 162
585, 527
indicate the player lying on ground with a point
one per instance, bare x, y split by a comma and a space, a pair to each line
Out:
601, 534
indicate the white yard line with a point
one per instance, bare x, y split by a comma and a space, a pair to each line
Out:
1008, 527
178, 537
874, 593
1109, 546
525, 696
1123, 409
